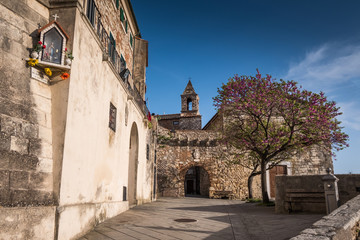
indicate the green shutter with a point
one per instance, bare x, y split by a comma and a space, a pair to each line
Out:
122, 16
131, 40
111, 41
117, 4
126, 26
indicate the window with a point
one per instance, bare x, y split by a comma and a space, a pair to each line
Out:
122, 63
112, 117
147, 151
117, 4
112, 47
91, 11
175, 122
122, 15
124, 21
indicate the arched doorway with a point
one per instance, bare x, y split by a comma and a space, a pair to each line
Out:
133, 162
197, 182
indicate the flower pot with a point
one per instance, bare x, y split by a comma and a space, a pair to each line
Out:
68, 62
34, 54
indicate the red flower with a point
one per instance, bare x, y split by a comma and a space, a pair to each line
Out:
40, 42
65, 76
44, 46
65, 49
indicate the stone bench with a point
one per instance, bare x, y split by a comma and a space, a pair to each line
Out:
296, 198
221, 194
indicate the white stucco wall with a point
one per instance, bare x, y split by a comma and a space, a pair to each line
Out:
95, 159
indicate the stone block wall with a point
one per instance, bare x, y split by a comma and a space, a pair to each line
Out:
166, 121
342, 224
19, 223
25, 110
179, 151
348, 186
140, 64
191, 122
305, 186
110, 17
312, 161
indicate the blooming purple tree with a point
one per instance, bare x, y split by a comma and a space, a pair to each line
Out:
267, 121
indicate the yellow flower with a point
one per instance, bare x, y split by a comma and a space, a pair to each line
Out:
32, 62
48, 71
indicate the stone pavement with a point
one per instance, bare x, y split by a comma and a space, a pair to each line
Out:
216, 219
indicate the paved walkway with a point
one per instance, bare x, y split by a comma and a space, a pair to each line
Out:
215, 220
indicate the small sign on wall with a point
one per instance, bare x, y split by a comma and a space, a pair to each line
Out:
39, 75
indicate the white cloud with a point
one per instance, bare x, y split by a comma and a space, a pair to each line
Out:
335, 70
326, 67
351, 114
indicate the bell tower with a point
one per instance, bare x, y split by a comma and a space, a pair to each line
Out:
189, 101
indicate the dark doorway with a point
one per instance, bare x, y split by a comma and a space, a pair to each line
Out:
197, 182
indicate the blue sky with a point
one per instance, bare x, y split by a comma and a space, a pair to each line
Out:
316, 43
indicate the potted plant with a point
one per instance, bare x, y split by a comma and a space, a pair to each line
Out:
36, 49
68, 57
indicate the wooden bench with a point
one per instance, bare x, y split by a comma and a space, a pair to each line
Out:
297, 197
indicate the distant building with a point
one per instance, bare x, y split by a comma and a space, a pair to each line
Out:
189, 118
191, 161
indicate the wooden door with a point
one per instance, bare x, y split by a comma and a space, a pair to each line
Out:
276, 170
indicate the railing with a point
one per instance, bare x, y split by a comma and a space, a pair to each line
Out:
109, 49
139, 100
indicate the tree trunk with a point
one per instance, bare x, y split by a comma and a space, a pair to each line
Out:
250, 180
264, 192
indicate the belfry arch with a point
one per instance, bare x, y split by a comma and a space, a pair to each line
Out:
133, 163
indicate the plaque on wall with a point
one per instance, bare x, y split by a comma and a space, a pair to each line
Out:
39, 75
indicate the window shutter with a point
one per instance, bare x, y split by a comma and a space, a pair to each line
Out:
122, 16
131, 40
117, 4
111, 42
126, 26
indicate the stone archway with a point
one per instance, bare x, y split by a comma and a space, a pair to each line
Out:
133, 162
196, 182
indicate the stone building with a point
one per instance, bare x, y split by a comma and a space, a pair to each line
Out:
189, 118
190, 161
75, 143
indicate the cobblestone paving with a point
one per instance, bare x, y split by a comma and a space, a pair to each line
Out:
215, 220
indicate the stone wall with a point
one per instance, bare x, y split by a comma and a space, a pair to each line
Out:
191, 122
56, 147
140, 64
348, 187
19, 223
110, 17
179, 151
310, 189
167, 121
341, 224
25, 111
312, 161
